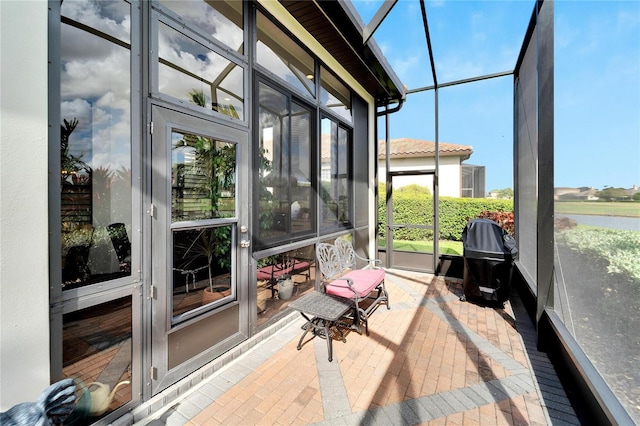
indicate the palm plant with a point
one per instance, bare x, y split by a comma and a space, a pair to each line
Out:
213, 172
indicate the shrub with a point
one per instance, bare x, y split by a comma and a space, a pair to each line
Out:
504, 219
621, 248
415, 205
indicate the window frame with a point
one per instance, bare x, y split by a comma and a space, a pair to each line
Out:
305, 96
340, 124
291, 98
162, 15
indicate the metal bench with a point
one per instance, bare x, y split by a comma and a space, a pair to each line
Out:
341, 277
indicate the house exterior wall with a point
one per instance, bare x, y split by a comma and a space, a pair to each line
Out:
26, 366
450, 172
24, 276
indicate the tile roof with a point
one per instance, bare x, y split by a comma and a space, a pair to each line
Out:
406, 147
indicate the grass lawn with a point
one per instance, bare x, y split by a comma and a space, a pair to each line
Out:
600, 208
446, 246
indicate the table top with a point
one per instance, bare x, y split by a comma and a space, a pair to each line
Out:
325, 306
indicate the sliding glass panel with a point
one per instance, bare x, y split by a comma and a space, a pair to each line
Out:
95, 142
273, 205
302, 205
335, 191
285, 204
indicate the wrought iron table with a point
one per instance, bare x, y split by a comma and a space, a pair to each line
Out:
325, 311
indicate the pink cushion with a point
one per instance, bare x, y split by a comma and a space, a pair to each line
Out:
364, 281
300, 264
273, 271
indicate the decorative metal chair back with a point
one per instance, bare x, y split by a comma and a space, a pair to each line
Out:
328, 261
346, 253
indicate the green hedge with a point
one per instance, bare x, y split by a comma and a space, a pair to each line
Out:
413, 204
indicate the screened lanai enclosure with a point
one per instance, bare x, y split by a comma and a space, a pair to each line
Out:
184, 159
582, 293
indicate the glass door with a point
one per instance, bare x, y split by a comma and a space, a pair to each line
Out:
410, 220
199, 241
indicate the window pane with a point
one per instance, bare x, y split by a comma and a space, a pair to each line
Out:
334, 177
335, 95
273, 292
112, 17
273, 197
202, 177
219, 19
95, 143
279, 54
284, 200
342, 178
202, 265
97, 355
301, 170
193, 73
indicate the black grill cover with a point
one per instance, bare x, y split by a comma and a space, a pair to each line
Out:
489, 252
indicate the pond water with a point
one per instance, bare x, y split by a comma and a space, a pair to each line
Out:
613, 222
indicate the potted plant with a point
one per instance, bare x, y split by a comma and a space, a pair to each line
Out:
285, 287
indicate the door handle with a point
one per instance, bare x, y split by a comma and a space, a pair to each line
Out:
245, 243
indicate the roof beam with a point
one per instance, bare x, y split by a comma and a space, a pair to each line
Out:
382, 13
463, 81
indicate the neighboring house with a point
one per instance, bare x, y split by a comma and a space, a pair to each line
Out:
413, 154
575, 194
632, 191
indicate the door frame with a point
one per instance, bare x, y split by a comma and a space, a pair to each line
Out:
231, 319
409, 260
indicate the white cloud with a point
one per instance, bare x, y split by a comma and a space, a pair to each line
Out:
79, 109
92, 78
109, 17
203, 15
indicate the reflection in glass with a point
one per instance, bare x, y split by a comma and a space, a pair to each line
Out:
202, 177
282, 56
301, 191
193, 73
220, 19
95, 142
202, 266
335, 95
282, 278
334, 178
112, 17
285, 175
97, 354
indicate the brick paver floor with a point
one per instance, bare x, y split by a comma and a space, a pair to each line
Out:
431, 359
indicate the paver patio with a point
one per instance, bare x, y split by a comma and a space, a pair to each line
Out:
431, 359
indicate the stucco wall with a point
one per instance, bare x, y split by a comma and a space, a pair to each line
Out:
450, 173
24, 289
